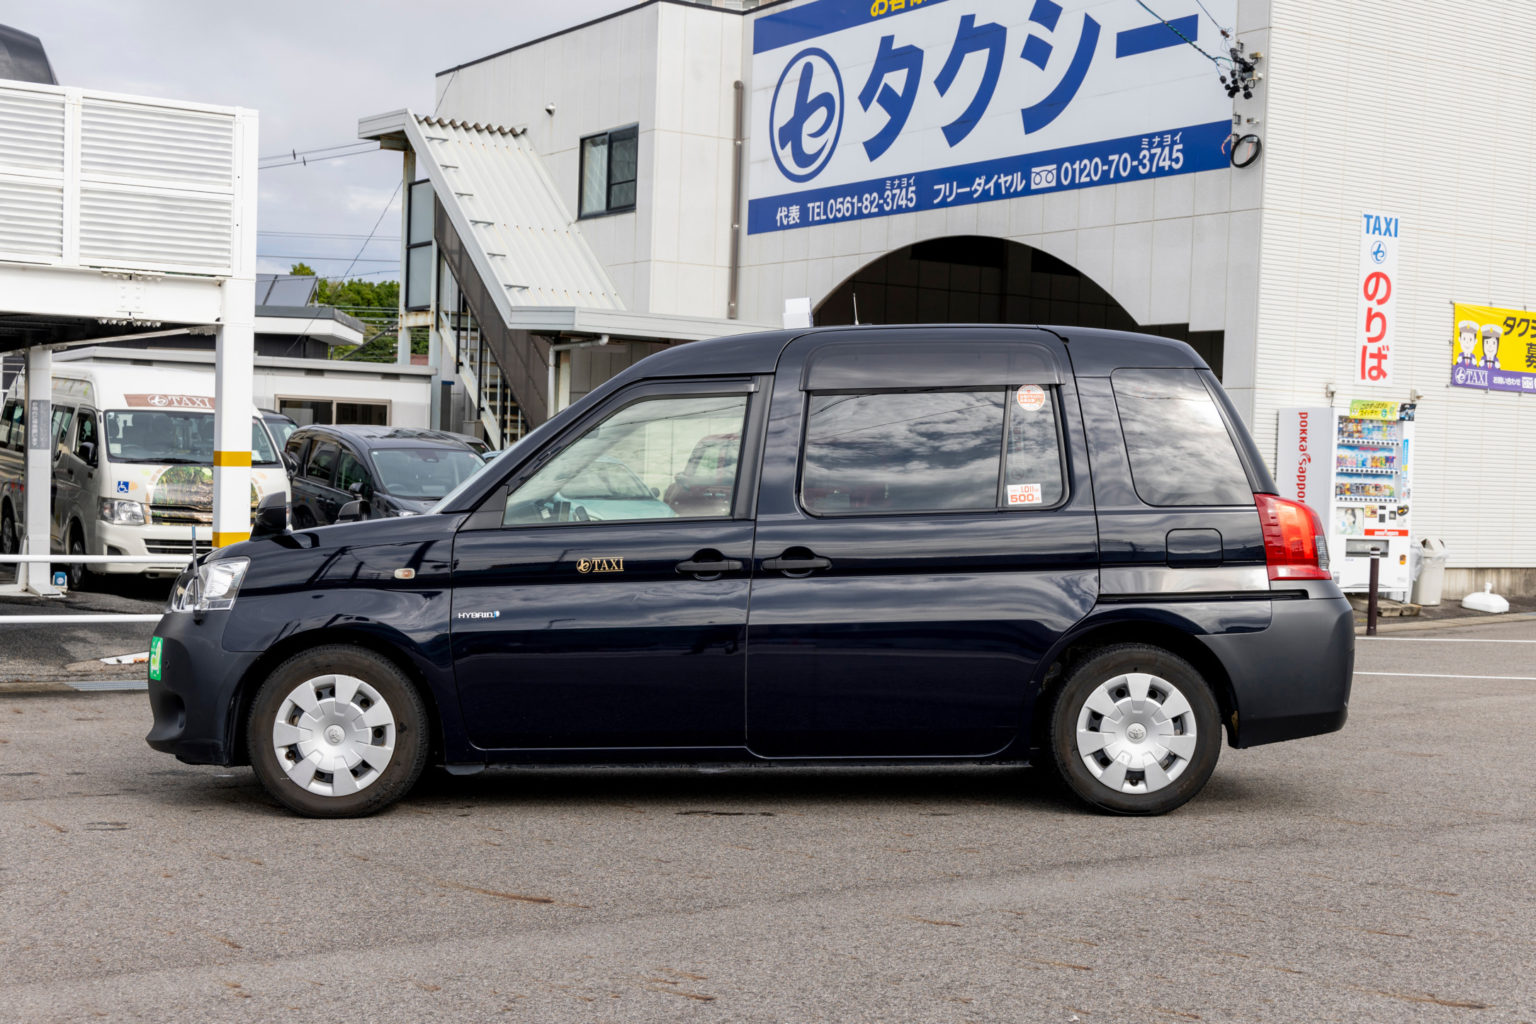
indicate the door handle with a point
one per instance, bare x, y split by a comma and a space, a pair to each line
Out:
709, 566
794, 561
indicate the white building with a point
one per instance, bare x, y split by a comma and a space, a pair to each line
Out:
680, 170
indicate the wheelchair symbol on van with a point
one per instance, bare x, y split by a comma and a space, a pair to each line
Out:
122, 487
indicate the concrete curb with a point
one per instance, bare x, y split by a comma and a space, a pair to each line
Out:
1416, 624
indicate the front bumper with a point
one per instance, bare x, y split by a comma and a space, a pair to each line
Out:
1292, 679
195, 700
175, 542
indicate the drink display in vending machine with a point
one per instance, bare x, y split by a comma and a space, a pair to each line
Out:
1354, 466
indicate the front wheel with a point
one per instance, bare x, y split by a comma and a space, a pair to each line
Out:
10, 542
337, 732
1134, 729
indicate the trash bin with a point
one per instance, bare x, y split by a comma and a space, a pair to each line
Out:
1431, 581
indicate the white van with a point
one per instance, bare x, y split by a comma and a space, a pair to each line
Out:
132, 465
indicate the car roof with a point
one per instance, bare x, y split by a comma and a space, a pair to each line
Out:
371, 436
1094, 351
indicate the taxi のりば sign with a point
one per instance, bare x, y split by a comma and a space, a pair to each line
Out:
868, 108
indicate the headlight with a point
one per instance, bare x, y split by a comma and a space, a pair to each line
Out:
123, 513
211, 586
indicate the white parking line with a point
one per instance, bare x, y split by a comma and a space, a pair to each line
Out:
1443, 640
1447, 675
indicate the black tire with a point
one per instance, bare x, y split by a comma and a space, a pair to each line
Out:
1152, 774
79, 577
376, 787
10, 540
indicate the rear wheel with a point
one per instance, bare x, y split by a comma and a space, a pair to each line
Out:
78, 577
337, 732
10, 542
1134, 729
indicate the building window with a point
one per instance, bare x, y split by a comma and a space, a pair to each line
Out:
608, 163
307, 411
418, 247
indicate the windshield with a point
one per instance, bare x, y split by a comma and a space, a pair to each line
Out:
171, 437
281, 429
424, 474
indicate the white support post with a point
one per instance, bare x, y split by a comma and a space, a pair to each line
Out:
39, 471
234, 358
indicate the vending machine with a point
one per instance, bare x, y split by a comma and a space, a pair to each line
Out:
1354, 466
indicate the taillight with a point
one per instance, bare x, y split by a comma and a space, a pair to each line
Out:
1294, 542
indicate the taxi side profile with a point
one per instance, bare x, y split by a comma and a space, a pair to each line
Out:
933, 544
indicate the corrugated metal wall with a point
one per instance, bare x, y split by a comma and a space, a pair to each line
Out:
1415, 110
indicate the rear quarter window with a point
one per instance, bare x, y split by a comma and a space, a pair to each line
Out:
1180, 449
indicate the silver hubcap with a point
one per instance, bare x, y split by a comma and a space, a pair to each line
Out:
1136, 733
334, 735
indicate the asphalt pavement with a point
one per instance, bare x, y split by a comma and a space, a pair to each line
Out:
1381, 873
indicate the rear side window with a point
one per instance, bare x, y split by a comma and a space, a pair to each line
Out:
1181, 452
931, 451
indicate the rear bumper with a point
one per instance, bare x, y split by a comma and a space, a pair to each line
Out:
194, 702
1292, 679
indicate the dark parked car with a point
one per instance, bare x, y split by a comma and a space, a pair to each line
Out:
389, 471
992, 544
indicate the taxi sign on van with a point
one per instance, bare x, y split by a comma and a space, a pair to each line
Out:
160, 401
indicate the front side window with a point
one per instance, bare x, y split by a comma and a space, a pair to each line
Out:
261, 445
931, 451
1180, 450
635, 465
608, 169
13, 432
322, 462
85, 434
350, 474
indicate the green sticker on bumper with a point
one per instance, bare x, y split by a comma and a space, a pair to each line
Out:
155, 643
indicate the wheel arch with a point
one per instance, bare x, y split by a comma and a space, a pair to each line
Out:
1179, 637
245, 692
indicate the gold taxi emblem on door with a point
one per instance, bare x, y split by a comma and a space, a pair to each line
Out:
600, 565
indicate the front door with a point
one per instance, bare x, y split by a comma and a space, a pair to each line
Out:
925, 533
588, 611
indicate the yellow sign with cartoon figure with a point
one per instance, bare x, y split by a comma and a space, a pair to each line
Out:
1493, 348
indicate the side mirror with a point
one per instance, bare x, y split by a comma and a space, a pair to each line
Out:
88, 452
291, 463
355, 488
351, 512
271, 517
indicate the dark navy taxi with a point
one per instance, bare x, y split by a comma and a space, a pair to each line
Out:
875, 545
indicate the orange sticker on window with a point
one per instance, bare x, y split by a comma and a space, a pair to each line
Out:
1023, 494
1030, 397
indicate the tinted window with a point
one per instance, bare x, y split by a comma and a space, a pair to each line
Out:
322, 461
903, 452
1181, 452
635, 464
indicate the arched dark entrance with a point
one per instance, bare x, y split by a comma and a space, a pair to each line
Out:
978, 279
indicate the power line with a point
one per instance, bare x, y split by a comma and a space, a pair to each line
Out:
327, 234
294, 154
1214, 60
306, 161
320, 259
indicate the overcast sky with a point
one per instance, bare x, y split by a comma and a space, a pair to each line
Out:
311, 69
